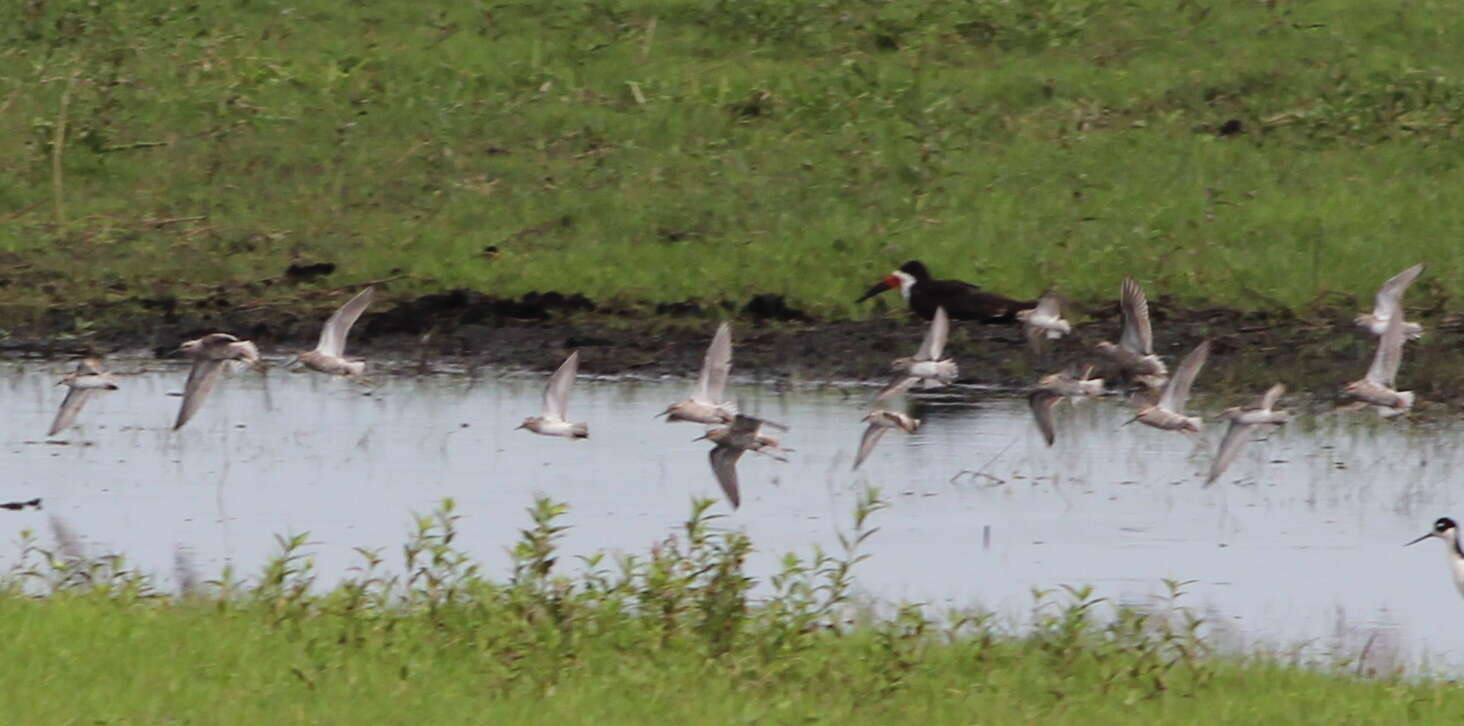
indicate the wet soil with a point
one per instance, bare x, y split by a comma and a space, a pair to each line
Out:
1316, 351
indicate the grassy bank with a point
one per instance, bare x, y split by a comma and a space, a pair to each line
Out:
653, 150
677, 634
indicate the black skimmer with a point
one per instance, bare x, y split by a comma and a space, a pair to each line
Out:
961, 300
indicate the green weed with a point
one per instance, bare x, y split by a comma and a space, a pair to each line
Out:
677, 633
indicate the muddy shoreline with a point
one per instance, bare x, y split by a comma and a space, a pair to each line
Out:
1314, 352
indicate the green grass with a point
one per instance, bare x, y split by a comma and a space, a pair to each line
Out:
651, 150
678, 634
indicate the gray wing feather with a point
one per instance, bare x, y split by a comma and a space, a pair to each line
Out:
1235, 438
1042, 403
244, 350
715, 368
556, 392
1138, 335
333, 335
1036, 337
1384, 368
745, 425
935, 337
724, 465
771, 424
1389, 301
867, 442
75, 399
1177, 391
201, 379
1270, 397
898, 384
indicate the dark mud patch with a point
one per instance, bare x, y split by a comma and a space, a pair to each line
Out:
1314, 353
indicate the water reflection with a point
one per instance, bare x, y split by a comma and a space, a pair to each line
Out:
1299, 542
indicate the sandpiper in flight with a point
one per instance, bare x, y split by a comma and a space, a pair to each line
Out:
88, 379
209, 354
880, 421
1389, 304
962, 300
1379, 386
926, 367
1134, 354
329, 353
553, 420
743, 434
1168, 411
705, 405
1243, 419
1051, 390
1044, 322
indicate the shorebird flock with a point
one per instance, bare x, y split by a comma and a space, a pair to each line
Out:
1156, 397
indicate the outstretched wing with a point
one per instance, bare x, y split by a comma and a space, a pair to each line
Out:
1389, 301
867, 442
333, 335
1384, 368
1042, 402
201, 379
556, 392
747, 426
70, 406
1036, 337
244, 350
935, 337
1268, 400
724, 465
1230, 446
761, 422
1176, 392
899, 384
1138, 336
715, 368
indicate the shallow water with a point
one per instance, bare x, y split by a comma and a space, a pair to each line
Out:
1300, 543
